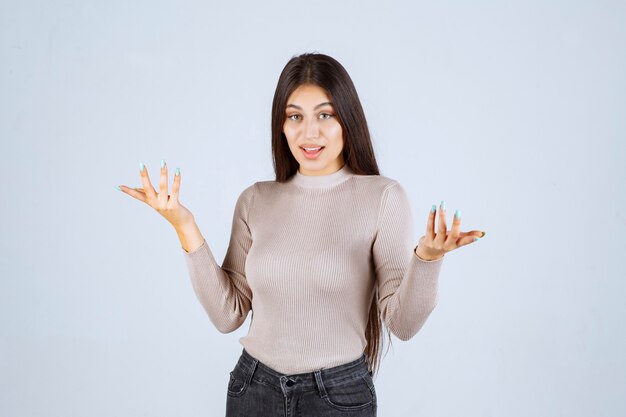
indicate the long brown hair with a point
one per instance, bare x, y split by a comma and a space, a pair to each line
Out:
358, 153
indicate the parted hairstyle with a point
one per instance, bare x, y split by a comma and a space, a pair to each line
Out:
326, 72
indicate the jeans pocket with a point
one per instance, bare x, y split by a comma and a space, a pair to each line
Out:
238, 382
355, 394
370, 383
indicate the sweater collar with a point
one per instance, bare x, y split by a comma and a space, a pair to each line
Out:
322, 181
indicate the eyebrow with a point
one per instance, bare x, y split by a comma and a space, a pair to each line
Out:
316, 107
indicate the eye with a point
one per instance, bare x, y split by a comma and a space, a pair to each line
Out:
326, 114
293, 115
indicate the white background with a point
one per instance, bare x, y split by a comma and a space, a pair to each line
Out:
511, 111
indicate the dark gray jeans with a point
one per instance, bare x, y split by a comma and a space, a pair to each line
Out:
256, 390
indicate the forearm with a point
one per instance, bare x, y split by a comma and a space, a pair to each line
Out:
225, 298
222, 290
415, 298
226, 304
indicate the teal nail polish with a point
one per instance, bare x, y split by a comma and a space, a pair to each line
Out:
162, 163
443, 205
433, 208
118, 187
141, 166
457, 214
177, 172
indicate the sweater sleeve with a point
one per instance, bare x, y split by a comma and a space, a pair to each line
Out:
223, 291
407, 284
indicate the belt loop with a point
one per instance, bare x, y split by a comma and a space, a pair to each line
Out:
320, 383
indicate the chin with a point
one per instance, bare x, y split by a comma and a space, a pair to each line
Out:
314, 165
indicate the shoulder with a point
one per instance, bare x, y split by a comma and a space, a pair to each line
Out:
386, 193
248, 192
377, 185
261, 189
264, 187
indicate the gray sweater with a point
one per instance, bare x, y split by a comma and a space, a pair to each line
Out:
306, 257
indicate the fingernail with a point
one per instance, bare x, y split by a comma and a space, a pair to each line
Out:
162, 163
118, 187
483, 234
141, 166
177, 173
457, 214
443, 205
433, 208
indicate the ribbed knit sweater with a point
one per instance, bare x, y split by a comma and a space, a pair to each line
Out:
306, 256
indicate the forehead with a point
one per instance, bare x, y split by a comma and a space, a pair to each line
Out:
308, 94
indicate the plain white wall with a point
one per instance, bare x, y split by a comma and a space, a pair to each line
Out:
513, 112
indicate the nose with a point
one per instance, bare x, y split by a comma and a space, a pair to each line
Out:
312, 129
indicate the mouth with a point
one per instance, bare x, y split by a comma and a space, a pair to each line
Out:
312, 152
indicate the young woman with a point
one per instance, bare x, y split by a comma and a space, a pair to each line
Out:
323, 256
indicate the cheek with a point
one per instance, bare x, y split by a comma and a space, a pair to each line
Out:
288, 134
335, 133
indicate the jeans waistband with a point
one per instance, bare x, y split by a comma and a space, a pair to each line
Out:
302, 381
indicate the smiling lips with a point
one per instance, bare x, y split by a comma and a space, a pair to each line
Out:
312, 152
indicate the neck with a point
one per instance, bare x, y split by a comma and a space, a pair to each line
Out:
322, 181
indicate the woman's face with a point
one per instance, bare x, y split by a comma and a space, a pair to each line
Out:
311, 122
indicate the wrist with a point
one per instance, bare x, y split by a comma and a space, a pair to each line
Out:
186, 227
190, 236
426, 255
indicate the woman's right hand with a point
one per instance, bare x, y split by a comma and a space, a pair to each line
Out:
167, 205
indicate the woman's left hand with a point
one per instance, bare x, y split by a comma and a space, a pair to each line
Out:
433, 246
